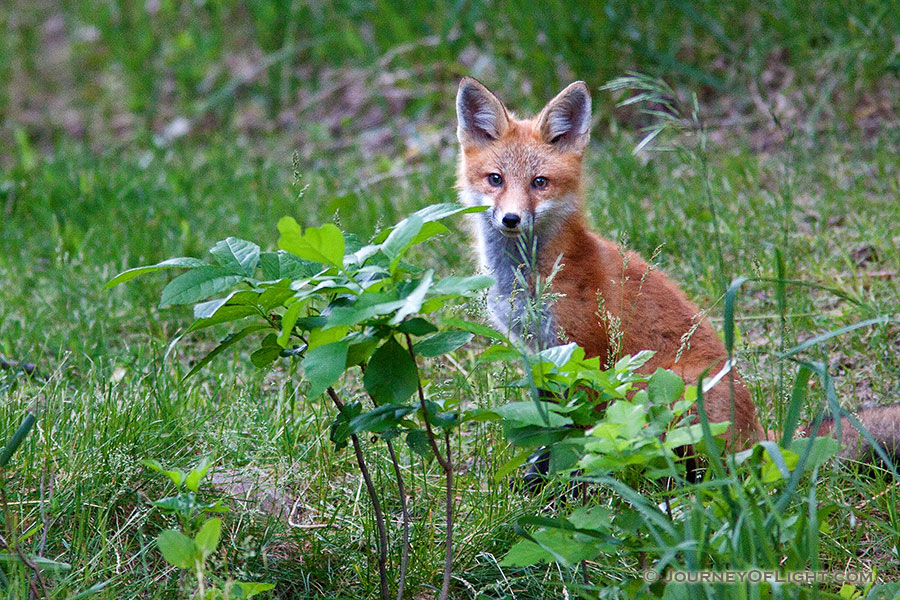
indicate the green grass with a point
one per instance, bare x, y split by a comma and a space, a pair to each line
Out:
77, 209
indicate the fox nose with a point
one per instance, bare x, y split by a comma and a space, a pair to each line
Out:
511, 220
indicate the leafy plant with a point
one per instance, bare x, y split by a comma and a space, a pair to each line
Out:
743, 513
336, 304
189, 547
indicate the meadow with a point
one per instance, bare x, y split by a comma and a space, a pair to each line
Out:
132, 132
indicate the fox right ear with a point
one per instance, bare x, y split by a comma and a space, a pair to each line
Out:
482, 117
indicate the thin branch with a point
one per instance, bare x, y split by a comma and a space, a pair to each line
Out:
448, 554
447, 466
401, 489
376, 505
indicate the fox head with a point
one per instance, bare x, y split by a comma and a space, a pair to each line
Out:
528, 171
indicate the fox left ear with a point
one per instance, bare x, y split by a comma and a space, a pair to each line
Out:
566, 120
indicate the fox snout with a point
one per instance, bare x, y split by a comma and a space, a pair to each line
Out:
511, 223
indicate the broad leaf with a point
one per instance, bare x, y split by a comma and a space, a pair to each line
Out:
401, 237
442, 343
284, 265
243, 589
368, 306
172, 263
417, 440
477, 329
340, 427
461, 286
665, 387
237, 255
391, 375
223, 314
381, 418
207, 539
288, 320
324, 365
413, 302
416, 326
198, 284
192, 481
532, 413
323, 244
178, 549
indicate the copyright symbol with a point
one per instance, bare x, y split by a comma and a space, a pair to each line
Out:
651, 576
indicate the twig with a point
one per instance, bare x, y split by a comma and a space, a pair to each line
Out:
447, 466
401, 489
373, 497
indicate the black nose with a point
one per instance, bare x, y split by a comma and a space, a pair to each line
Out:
511, 220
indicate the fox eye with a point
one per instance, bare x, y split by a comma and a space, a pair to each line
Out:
495, 179
539, 182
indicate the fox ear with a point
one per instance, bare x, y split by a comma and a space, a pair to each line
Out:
566, 120
482, 117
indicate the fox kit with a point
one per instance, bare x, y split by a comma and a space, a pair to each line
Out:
528, 173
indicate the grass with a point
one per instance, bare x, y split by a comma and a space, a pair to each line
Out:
79, 208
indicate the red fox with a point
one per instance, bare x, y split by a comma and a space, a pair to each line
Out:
528, 173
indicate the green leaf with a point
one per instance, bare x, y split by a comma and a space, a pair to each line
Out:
381, 418
237, 255
205, 310
320, 337
368, 306
274, 296
416, 326
477, 329
207, 539
401, 238
284, 265
323, 244
417, 440
665, 387
230, 340
442, 343
198, 284
176, 476
461, 286
438, 417
192, 481
362, 344
391, 375
288, 320
324, 365
413, 302
177, 548
224, 314
172, 263
244, 589
266, 355
512, 464
560, 355
532, 413
340, 427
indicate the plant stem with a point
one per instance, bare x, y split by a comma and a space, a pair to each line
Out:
447, 466
448, 554
401, 490
376, 505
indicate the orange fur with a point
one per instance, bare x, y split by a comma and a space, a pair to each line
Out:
654, 313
